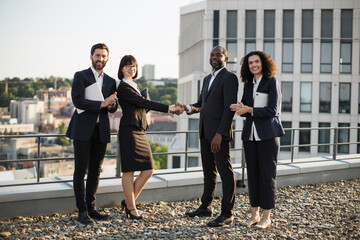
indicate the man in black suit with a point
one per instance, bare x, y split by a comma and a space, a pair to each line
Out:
218, 93
90, 129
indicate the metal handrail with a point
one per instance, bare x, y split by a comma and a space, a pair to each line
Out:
38, 159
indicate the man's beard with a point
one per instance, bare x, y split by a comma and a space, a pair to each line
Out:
216, 64
99, 65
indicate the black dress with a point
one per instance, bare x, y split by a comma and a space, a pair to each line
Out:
135, 149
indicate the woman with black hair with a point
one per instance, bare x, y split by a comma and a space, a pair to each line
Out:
260, 105
135, 150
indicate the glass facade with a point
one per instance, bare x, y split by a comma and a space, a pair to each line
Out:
326, 41
250, 31
325, 98
193, 141
288, 41
344, 97
305, 97
216, 28
286, 139
324, 137
307, 28
176, 162
344, 137
193, 161
304, 136
346, 40
269, 32
287, 96
231, 39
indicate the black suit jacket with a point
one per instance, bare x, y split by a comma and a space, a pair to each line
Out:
82, 124
135, 106
214, 105
267, 121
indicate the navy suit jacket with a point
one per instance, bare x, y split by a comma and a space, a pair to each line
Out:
267, 121
82, 125
214, 105
135, 106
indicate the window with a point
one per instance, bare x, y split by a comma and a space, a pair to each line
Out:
305, 97
325, 98
307, 27
345, 57
231, 39
346, 40
306, 56
176, 162
216, 28
193, 162
250, 30
305, 136
288, 41
326, 41
269, 48
325, 57
344, 97
193, 137
344, 137
269, 32
324, 137
231, 24
286, 139
287, 95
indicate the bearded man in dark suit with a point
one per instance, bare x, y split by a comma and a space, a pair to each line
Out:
90, 129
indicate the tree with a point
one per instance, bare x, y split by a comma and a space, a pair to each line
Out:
63, 141
160, 161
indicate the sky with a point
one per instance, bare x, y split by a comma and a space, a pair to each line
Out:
43, 38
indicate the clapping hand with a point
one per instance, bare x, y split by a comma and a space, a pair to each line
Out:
109, 100
240, 108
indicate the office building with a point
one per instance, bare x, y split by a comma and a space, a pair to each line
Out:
315, 45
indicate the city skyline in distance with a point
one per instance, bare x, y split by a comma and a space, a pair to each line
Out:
53, 38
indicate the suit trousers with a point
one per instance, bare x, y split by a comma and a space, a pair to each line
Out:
89, 155
261, 162
212, 163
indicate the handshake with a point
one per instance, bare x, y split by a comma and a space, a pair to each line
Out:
177, 108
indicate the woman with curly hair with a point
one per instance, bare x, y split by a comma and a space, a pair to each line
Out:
260, 105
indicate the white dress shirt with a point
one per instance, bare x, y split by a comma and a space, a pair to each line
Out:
213, 76
133, 85
253, 133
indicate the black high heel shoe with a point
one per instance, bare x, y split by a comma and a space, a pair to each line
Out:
123, 205
131, 216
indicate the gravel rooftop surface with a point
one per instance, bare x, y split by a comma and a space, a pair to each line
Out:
318, 211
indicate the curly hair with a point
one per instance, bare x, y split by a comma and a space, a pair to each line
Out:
268, 66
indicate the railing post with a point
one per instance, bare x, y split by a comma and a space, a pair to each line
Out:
38, 161
241, 183
336, 134
186, 150
292, 144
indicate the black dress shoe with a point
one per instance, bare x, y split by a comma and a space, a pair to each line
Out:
221, 221
84, 218
95, 214
200, 212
